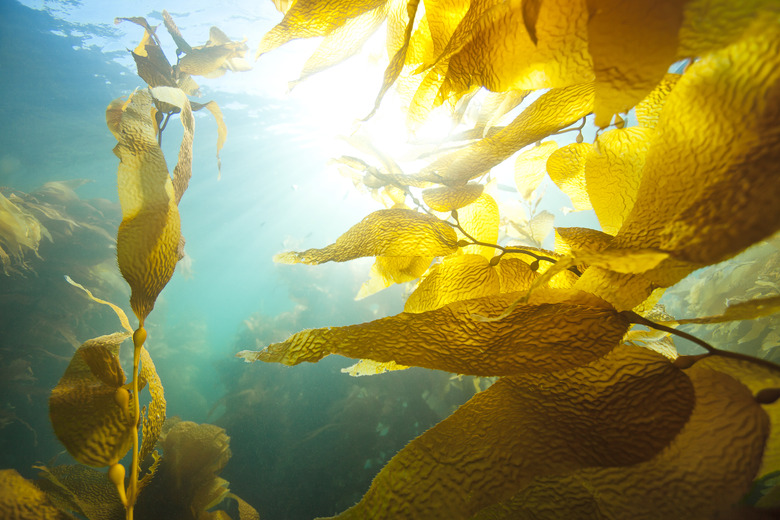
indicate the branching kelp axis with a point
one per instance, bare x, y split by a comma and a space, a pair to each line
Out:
586, 420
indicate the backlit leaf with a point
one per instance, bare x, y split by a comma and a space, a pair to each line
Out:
212, 107
514, 274
526, 427
155, 411
388, 270
148, 237
457, 278
83, 409
219, 55
748, 310
632, 45
480, 220
388, 232
648, 110
566, 167
531, 167
20, 499
82, 490
183, 170
613, 171
707, 467
366, 367
573, 239
448, 198
553, 111
531, 338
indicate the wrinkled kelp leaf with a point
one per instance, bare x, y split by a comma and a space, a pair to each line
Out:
457, 278
575, 239
514, 275
708, 189
20, 499
446, 198
632, 45
613, 171
389, 232
182, 172
388, 270
531, 167
566, 167
648, 110
526, 427
748, 310
366, 367
148, 237
480, 220
706, 468
309, 18
82, 490
500, 55
83, 409
553, 111
155, 413
212, 107
557, 329
219, 55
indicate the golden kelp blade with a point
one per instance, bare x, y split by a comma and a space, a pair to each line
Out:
553, 111
566, 167
447, 198
613, 171
514, 275
366, 367
212, 107
531, 167
388, 232
20, 499
457, 278
648, 110
309, 18
148, 237
526, 427
632, 45
500, 54
480, 220
532, 338
82, 490
84, 411
707, 468
748, 310
155, 412
182, 172
574, 239
388, 270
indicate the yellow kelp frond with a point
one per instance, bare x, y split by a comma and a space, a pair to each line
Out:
755, 378
183, 170
89, 406
532, 338
512, 434
81, 490
397, 61
181, 44
343, 42
648, 110
566, 167
707, 467
212, 107
495, 106
20, 499
531, 167
480, 220
309, 18
457, 278
366, 367
219, 55
553, 111
387, 232
117, 310
613, 171
388, 270
575, 239
500, 54
632, 45
708, 188
20, 235
514, 275
448, 198
148, 237
154, 418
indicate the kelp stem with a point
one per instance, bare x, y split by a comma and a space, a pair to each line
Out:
139, 337
636, 318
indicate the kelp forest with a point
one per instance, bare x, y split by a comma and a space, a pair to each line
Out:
630, 369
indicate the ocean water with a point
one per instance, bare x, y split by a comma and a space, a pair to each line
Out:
306, 441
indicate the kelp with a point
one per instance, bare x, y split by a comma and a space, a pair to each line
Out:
689, 185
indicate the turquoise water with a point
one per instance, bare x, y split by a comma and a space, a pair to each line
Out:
306, 441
